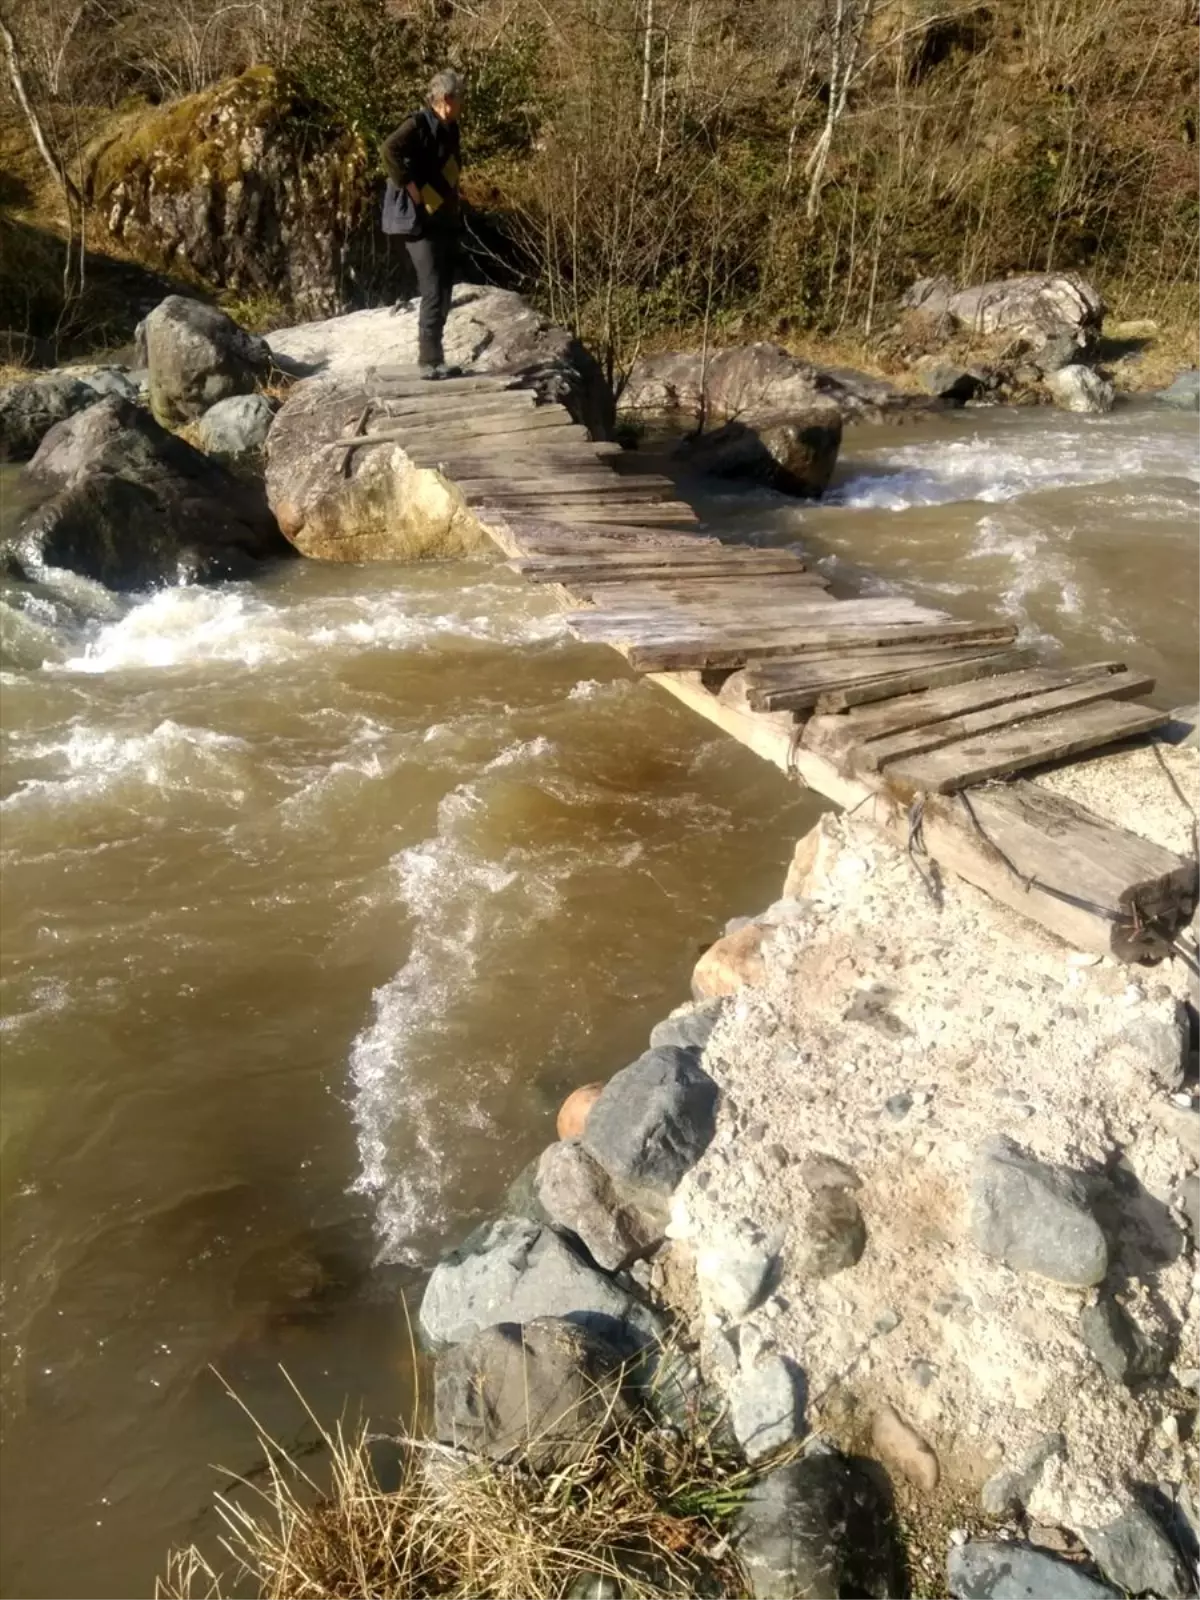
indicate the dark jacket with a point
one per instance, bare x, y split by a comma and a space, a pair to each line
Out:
425, 151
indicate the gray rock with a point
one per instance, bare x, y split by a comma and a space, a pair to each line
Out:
1137, 1555
734, 1276
579, 1195
987, 1570
1124, 1353
814, 1529
653, 1120
136, 506
690, 1029
1009, 1489
1035, 1218
1184, 393
1032, 308
521, 1196
514, 1270
950, 382
197, 356
828, 1234
795, 454
1061, 350
29, 410
766, 1406
932, 296
548, 1391
1079, 388
237, 426
111, 380
1163, 1046
1181, 1123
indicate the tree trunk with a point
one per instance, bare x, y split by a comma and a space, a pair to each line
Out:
17, 79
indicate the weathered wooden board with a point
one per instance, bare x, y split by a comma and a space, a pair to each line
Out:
408, 380
532, 496
712, 586
703, 557
685, 654
451, 408
447, 433
541, 479
836, 734
1094, 885
651, 514
877, 754
632, 581
1014, 749
833, 682
801, 613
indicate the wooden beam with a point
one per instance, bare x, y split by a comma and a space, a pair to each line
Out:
831, 683
697, 654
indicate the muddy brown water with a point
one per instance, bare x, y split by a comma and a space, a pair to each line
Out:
320, 892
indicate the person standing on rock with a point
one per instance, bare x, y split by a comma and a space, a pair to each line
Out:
421, 205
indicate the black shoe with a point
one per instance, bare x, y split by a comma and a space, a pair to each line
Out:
429, 369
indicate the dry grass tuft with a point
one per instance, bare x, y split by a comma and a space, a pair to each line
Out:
647, 1508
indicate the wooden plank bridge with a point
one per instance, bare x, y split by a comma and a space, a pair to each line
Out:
880, 702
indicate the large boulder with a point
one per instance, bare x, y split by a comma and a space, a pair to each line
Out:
28, 410
134, 506
546, 1391
1034, 308
371, 504
794, 454
197, 356
654, 1120
488, 330
577, 1194
516, 1270
248, 187
1078, 388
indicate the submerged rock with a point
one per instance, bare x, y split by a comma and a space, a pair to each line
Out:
547, 1391
994, 1570
136, 506
196, 356
814, 1529
653, 1120
795, 454
515, 1270
1035, 1218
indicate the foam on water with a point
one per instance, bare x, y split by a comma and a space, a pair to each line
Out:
239, 624
1089, 451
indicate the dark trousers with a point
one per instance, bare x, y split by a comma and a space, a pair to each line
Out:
434, 260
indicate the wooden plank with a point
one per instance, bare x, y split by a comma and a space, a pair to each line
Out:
486, 455
676, 585
651, 514
797, 615
536, 423
836, 734
722, 559
532, 495
408, 379
685, 654
1093, 885
877, 754
506, 402
543, 479
828, 683
1030, 744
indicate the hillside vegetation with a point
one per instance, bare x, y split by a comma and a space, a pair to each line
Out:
651, 169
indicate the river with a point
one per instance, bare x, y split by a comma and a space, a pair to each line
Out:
320, 892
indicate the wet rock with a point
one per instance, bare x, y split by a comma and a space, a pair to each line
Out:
1137, 1555
734, 1275
1079, 388
548, 1391
579, 1195
813, 1529
514, 1270
828, 1233
690, 1028
1184, 393
795, 454
653, 1120
902, 1449
237, 426
197, 356
766, 1406
28, 411
136, 506
987, 1570
1035, 1218
732, 963
1010, 1489
1124, 1353
575, 1110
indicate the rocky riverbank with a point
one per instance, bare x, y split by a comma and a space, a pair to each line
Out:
915, 1189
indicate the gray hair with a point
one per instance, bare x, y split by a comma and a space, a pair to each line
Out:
445, 85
